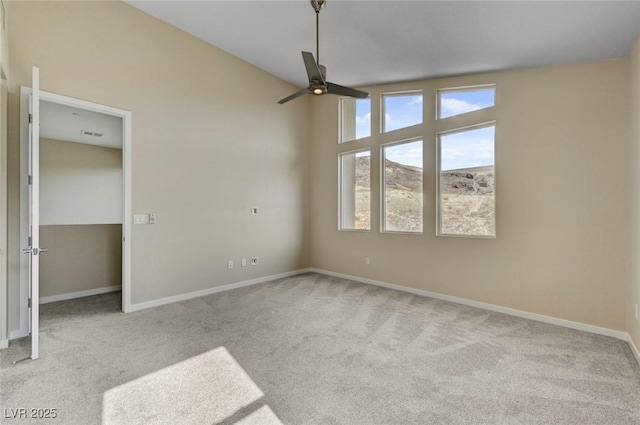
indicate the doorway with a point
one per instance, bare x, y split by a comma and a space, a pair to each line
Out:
108, 130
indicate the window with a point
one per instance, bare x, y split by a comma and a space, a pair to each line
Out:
355, 122
355, 190
452, 102
466, 182
401, 110
402, 187
463, 166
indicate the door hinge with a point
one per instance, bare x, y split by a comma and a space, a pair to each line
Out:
29, 303
30, 180
30, 119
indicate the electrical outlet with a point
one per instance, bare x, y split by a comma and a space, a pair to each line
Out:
244, 262
254, 261
367, 260
230, 264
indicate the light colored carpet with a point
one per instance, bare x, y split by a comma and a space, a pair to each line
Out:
314, 349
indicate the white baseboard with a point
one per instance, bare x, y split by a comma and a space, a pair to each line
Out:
634, 349
4, 343
491, 307
18, 333
80, 294
214, 290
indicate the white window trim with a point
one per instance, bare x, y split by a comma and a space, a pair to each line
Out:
340, 195
341, 121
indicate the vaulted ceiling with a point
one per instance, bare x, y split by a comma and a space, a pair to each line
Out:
369, 42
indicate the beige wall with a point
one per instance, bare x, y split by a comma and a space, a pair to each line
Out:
4, 68
209, 142
634, 287
79, 184
80, 258
562, 150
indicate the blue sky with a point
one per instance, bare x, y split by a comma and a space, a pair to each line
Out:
402, 111
472, 148
459, 102
363, 118
409, 153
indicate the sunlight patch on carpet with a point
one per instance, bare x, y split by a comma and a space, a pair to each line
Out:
206, 389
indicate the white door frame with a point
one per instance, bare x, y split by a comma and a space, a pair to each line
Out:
4, 305
24, 195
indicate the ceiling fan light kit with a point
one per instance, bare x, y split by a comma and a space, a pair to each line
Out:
317, 73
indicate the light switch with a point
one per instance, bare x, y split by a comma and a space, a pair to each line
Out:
141, 219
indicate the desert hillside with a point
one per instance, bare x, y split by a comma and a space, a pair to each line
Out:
464, 181
467, 181
467, 202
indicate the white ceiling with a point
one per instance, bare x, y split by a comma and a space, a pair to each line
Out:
369, 42
61, 122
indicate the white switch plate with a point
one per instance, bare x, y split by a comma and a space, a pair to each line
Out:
244, 262
367, 260
254, 210
141, 219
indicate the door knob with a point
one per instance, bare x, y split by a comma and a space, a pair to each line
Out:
34, 251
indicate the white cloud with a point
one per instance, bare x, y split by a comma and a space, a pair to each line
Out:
363, 119
451, 106
406, 153
415, 100
472, 148
363, 125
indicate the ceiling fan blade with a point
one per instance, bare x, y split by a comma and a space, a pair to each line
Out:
313, 72
293, 96
345, 91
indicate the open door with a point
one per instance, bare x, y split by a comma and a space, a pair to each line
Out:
34, 250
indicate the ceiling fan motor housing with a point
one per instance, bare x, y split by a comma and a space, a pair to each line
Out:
323, 71
317, 88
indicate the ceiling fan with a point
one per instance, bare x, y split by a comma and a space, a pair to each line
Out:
317, 73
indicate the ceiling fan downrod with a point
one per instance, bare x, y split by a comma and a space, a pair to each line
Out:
317, 74
317, 5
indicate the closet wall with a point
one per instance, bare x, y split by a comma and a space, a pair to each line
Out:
80, 217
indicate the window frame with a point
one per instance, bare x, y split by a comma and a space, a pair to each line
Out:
341, 119
439, 135
383, 112
383, 201
478, 87
340, 193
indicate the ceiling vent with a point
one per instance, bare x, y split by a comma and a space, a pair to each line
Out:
91, 133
